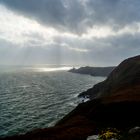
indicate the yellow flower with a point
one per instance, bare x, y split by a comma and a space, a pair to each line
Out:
109, 133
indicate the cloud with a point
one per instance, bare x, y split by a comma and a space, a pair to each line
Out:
57, 13
89, 32
78, 15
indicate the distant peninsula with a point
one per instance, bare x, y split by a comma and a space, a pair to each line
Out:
93, 71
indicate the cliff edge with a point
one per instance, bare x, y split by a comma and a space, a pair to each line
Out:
125, 75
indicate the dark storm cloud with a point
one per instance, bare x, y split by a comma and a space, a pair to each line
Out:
61, 14
117, 12
78, 15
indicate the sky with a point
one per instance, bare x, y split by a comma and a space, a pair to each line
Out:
72, 32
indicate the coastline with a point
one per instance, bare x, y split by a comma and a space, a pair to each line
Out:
116, 106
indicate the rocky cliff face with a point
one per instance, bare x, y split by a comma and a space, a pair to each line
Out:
117, 106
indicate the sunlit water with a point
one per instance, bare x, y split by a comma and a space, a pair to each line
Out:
32, 98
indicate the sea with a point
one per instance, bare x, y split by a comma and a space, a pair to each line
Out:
33, 97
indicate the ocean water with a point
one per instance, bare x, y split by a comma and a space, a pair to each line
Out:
32, 97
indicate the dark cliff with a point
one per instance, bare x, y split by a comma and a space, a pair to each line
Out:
93, 71
117, 106
125, 75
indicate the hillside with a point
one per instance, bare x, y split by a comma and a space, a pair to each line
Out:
125, 75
